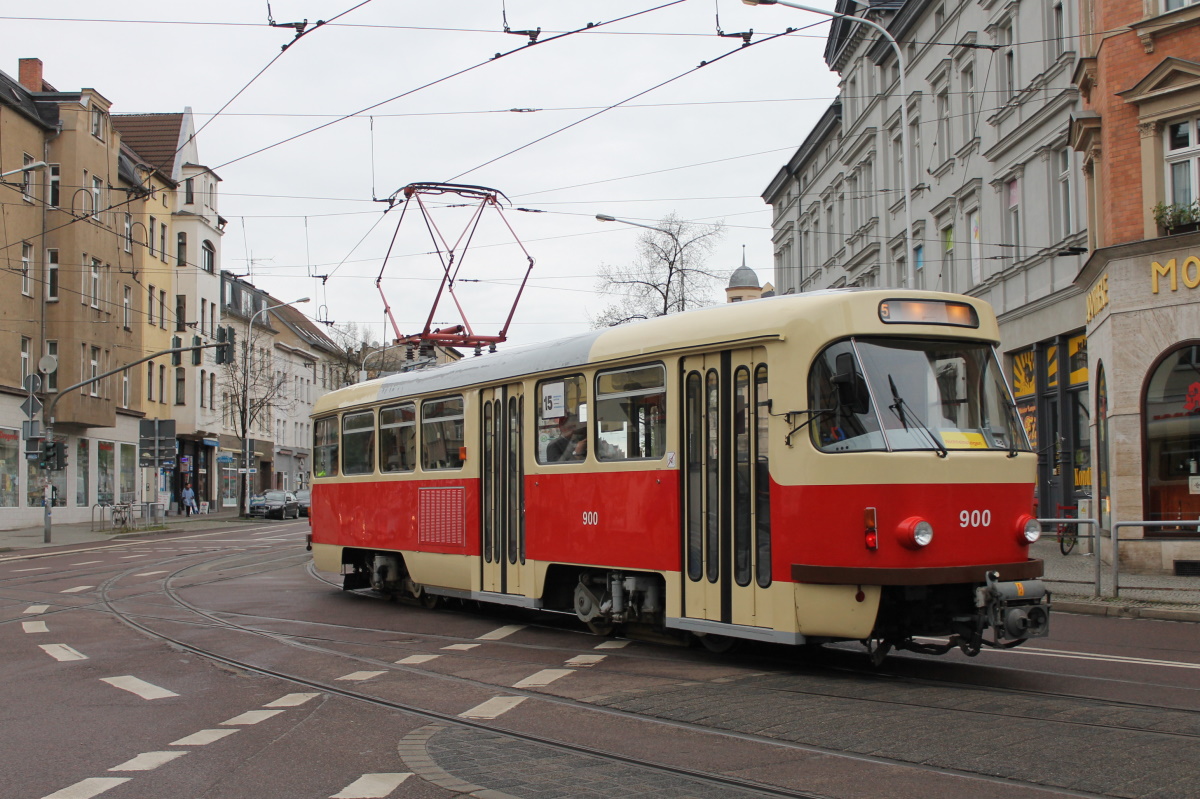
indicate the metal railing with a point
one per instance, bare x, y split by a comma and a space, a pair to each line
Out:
1093, 536
127, 515
1116, 537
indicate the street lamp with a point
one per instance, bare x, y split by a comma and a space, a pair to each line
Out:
678, 253
909, 269
246, 398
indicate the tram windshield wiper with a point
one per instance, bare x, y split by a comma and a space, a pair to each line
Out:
899, 406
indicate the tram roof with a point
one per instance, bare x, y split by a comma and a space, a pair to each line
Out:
728, 323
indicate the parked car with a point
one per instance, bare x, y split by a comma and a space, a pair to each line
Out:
281, 504
305, 499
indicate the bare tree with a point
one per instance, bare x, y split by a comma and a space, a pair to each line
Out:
668, 274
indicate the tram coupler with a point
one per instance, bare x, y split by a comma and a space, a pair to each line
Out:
1018, 609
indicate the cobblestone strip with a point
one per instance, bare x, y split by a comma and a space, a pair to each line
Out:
413, 750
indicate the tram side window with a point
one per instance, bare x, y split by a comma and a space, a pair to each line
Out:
562, 420
358, 443
442, 436
398, 438
842, 418
631, 413
325, 447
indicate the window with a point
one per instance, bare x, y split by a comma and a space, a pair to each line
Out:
127, 308
919, 265
212, 389
94, 293
181, 249
1171, 430
898, 182
944, 144
150, 307
358, 436
969, 102
631, 413
189, 191
162, 308
947, 275
1171, 5
1008, 62
26, 343
975, 236
97, 188
125, 389
98, 123
1183, 161
94, 370
203, 388
180, 312
398, 438
914, 144
26, 268
203, 316
52, 275
1066, 225
150, 237
562, 421
27, 179
128, 232
51, 381
442, 433
150, 381
55, 185
180, 386
1058, 28
325, 447
208, 256
162, 242
162, 384
1012, 217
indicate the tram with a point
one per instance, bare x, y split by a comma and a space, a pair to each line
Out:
831, 466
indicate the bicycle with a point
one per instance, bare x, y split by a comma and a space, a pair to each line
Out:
1068, 534
120, 516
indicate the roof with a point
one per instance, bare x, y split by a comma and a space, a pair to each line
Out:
155, 137
304, 327
17, 97
743, 278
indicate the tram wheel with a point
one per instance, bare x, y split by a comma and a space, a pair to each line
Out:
718, 644
602, 627
429, 601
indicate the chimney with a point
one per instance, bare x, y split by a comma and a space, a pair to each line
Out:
31, 74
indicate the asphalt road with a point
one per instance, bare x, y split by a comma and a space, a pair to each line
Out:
217, 664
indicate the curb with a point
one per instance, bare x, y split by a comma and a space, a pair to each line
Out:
1087, 607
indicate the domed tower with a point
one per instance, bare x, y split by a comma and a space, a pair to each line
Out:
744, 285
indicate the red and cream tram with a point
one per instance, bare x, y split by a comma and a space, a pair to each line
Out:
838, 465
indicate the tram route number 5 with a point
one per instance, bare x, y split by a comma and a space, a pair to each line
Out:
591, 518
974, 518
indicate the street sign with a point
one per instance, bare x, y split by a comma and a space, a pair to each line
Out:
224, 459
32, 383
31, 428
32, 405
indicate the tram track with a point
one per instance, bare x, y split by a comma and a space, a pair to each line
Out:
322, 646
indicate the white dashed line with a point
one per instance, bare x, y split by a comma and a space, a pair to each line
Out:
62, 652
412, 660
77, 589
35, 627
250, 717
131, 557
460, 647
584, 661
612, 645
38, 569
291, 700
493, 707
34, 610
139, 687
359, 676
87, 563
202, 738
148, 761
149, 574
372, 786
543, 677
503, 632
88, 788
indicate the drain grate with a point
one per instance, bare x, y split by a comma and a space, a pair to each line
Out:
1187, 568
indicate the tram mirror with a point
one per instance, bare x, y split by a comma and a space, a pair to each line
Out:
850, 385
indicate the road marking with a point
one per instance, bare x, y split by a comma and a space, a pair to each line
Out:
543, 677
35, 627
34, 610
461, 647
77, 589
87, 563
412, 660
62, 652
492, 708
503, 632
250, 717
584, 661
38, 569
149, 574
372, 786
612, 645
291, 700
148, 761
1028, 650
359, 676
88, 788
202, 738
140, 687
131, 557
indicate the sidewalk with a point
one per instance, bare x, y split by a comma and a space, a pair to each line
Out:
1070, 578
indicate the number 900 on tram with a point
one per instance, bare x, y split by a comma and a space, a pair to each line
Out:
830, 466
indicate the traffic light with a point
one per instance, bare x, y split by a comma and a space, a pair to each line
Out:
231, 345
219, 352
60, 456
49, 452
196, 351
176, 357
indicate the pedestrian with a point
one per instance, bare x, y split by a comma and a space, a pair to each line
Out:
189, 499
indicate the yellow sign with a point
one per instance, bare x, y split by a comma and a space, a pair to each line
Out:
957, 440
1190, 272
1023, 370
1097, 299
1077, 358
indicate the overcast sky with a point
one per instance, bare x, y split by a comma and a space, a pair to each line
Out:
702, 146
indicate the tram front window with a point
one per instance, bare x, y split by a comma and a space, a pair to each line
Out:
904, 394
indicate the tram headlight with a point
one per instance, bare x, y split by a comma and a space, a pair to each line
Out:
1028, 530
915, 532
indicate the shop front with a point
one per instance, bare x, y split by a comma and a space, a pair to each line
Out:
1143, 333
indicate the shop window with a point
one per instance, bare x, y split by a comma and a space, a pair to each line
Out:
1171, 430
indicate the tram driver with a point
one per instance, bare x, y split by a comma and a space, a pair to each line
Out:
571, 444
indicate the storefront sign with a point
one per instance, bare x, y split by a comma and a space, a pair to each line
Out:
1189, 273
1097, 299
1194, 485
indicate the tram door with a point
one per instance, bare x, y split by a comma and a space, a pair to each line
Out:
726, 519
502, 491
